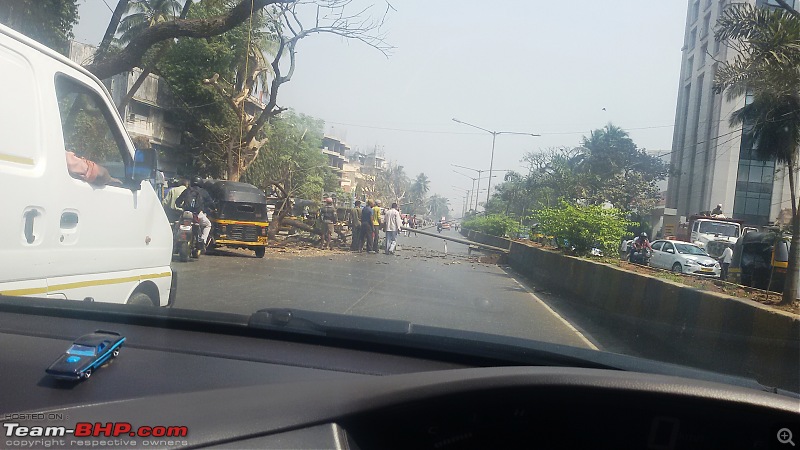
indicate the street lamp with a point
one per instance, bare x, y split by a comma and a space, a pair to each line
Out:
473, 190
494, 136
478, 179
466, 193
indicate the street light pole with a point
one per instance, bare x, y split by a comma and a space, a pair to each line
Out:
491, 162
478, 179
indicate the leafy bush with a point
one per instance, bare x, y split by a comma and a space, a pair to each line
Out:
583, 227
494, 224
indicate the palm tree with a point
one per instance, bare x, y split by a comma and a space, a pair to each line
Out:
438, 206
419, 188
143, 14
767, 70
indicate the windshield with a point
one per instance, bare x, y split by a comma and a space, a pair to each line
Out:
476, 167
721, 229
81, 350
687, 249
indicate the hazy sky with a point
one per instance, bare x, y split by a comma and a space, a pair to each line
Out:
524, 65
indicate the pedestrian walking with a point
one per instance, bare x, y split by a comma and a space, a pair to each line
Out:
405, 225
393, 224
328, 215
354, 222
377, 223
366, 226
414, 224
725, 262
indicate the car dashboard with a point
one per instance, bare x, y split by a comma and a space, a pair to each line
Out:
232, 387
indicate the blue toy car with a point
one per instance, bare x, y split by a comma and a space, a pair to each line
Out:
86, 354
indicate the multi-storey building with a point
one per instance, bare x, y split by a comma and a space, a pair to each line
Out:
712, 161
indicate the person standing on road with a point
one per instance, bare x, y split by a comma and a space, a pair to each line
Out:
377, 222
414, 224
725, 262
328, 215
393, 224
366, 226
354, 222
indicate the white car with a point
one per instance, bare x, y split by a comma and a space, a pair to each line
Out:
683, 257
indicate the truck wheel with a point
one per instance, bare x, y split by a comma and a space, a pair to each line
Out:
115, 353
140, 298
183, 251
677, 268
86, 374
260, 252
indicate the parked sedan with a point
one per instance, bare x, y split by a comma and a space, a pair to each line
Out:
683, 257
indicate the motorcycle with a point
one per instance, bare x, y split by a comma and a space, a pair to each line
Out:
187, 238
641, 256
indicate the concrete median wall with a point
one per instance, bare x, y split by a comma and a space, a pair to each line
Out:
659, 319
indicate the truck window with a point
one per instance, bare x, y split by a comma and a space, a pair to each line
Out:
720, 228
88, 127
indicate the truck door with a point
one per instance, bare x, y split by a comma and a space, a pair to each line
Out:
695, 231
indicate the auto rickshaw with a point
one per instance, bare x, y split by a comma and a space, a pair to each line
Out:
759, 256
240, 219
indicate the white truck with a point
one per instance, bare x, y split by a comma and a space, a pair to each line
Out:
80, 219
713, 234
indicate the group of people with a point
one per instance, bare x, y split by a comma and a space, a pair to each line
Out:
366, 223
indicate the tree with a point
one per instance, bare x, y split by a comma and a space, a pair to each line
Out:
287, 29
417, 192
151, 12
393, 182
142, 14
47, 21
581, 228
766, 68
438, 207
618, 172
292, 164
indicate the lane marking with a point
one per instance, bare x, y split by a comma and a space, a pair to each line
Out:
546, 306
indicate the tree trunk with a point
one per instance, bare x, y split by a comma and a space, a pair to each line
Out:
790, 285
277, 220
302, 226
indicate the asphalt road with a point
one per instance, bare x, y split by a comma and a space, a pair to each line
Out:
420, 284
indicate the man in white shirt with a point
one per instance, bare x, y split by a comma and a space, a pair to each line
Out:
725, 262
393, 224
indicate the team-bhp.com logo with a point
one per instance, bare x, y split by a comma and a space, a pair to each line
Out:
87, 429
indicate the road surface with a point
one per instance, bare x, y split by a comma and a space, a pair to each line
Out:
420, 284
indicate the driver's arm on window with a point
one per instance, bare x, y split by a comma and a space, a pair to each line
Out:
88, 171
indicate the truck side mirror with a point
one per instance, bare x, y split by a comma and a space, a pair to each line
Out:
145, 161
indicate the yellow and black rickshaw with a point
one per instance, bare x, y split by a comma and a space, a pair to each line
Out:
240, 219
758, 257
